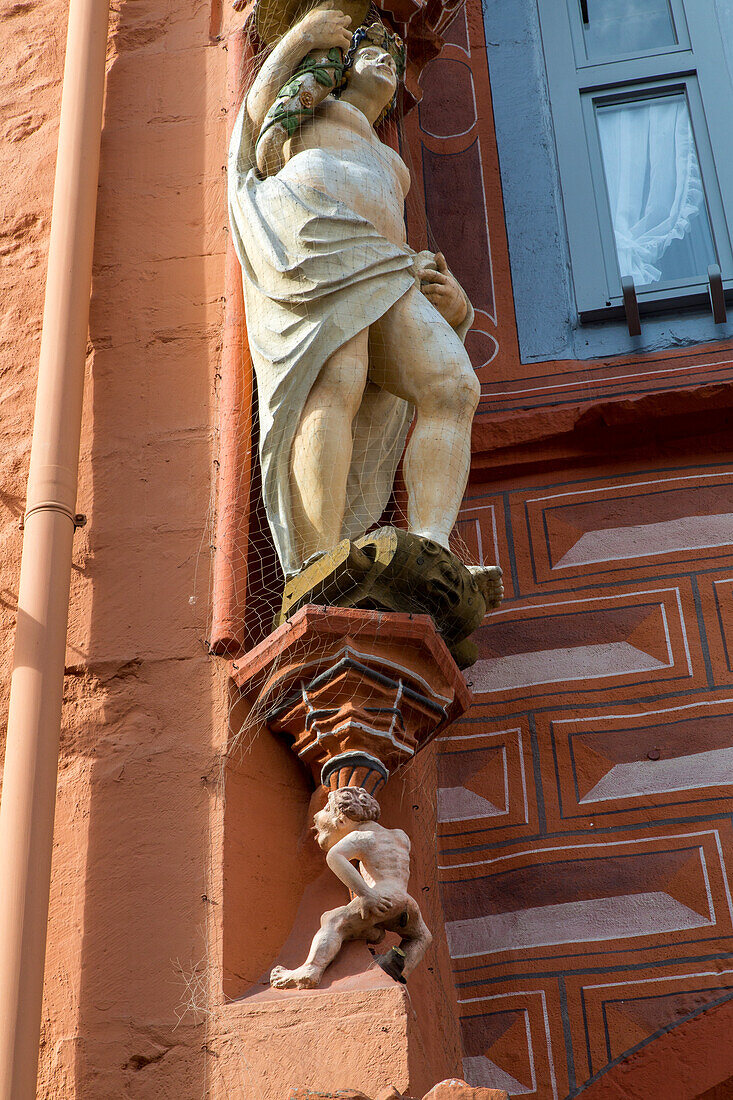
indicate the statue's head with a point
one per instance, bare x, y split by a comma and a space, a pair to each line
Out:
376, 61
345, 809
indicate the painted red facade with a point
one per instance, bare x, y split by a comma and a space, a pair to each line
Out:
584, 808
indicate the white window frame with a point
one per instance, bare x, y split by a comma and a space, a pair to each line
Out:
696, 66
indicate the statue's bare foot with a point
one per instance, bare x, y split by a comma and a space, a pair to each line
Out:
305, 977
491, 586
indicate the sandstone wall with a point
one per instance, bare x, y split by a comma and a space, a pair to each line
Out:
556, 756
142, 698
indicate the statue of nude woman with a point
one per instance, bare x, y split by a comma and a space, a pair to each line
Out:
351, 332
348, 831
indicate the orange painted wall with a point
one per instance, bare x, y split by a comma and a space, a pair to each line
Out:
136, 936
144, 704
584, 809
177, 873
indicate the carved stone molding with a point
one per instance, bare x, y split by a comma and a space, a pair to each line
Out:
358, 692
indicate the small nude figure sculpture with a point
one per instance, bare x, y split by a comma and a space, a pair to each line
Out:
347, 830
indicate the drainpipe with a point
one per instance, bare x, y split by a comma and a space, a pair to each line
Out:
229, 582
34, 720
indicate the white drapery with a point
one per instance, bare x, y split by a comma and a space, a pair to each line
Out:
653, 177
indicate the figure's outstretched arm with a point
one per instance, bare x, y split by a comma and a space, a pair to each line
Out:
316, 30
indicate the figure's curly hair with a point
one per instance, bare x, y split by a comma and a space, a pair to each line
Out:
354, 803
375, 33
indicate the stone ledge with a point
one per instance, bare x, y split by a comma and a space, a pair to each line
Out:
380, 627
314, 1039
358, 692
672, 413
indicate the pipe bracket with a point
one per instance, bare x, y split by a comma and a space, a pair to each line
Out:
76, 518
631, 306
717, 295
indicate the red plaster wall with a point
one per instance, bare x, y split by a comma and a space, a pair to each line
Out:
144, 705
584, 813
137, 941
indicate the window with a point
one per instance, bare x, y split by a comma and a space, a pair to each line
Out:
641, 104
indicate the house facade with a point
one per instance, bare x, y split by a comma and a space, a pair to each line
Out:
572, 831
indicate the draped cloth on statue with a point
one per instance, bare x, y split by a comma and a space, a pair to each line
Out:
315, 274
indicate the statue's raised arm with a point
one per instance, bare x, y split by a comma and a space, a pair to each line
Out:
304, 66
318, 30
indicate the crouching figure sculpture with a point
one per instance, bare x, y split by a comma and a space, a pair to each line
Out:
348, 831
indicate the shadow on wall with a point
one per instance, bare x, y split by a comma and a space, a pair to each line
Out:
267, 799
145, 692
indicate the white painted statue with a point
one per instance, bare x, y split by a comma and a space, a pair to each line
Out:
348, 831
350, 331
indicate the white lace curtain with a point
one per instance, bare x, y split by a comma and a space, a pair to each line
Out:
653, 177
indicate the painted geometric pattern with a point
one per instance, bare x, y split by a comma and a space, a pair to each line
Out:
450, 146
584, 803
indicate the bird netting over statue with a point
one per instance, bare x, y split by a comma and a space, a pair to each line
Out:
347, 395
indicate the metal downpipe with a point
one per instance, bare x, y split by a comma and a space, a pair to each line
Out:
31, 755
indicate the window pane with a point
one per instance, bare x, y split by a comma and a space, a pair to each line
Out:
658, 208
619, 27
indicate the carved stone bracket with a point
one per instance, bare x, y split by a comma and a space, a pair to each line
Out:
358, 692
393, 570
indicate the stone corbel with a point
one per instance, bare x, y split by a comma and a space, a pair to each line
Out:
357, 692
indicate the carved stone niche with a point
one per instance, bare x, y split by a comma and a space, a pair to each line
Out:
358, 692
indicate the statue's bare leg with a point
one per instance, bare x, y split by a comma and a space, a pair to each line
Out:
337, 925
321, 452
417, 355
416, 939
415, 936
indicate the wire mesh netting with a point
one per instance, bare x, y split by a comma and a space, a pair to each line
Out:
344, 339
